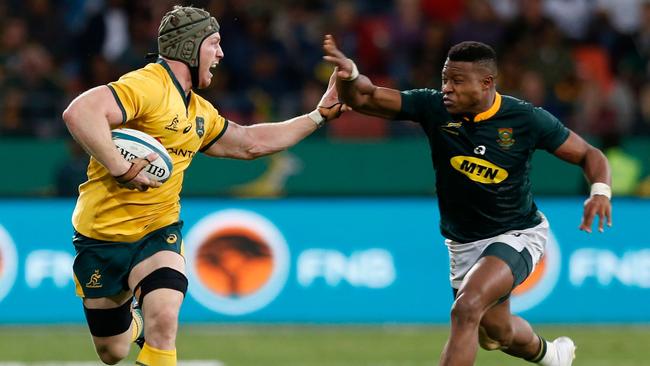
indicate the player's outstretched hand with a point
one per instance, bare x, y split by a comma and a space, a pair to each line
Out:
596, 205
330, 106
134, 178
334, 56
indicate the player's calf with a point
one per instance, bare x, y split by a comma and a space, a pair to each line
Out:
486, 342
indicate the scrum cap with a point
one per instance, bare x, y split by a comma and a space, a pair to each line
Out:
181, 32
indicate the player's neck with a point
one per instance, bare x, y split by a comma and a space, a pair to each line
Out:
487, 102
182, 74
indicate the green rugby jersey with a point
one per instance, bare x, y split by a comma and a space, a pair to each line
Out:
482, 162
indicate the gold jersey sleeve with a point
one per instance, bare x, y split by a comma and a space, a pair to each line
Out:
152, 101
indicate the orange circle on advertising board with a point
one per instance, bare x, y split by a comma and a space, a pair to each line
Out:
238, 261
234, 262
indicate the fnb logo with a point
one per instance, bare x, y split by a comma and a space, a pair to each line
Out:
479, 170
8, 263
541, 282
238, 261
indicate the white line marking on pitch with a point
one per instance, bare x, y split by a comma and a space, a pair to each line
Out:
180, 363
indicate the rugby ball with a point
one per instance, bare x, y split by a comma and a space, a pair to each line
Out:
137, 144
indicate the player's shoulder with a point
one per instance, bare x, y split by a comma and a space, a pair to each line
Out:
514, 104
423, 93
150, 73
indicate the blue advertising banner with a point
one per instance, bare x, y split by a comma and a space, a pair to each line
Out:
333, 261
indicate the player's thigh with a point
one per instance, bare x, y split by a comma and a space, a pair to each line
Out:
109, 302
162, 259
488, 281
162, 248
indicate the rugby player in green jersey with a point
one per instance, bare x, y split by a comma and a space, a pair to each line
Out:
127, 236
481, 144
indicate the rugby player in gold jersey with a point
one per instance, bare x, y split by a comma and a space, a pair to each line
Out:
127, 227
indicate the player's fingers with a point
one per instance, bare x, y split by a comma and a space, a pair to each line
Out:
587, 220
151, 157
154, 183
339, 62
601, 222
608, 214
139, 164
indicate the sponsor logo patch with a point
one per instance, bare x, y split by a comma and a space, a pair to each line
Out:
95, 280
479, 170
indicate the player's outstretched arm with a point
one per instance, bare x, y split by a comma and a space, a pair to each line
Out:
357, 91
250, 142
596, 169
89, 119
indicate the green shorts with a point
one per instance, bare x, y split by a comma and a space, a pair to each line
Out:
102, 268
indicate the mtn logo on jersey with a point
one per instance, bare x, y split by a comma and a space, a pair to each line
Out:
479, 170
8, 263
238, 262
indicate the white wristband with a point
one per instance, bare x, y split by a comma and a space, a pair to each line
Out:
354, 74
316, 117
601, 189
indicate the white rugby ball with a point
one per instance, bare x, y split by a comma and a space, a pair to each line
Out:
137, 144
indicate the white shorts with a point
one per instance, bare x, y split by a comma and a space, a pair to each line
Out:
463, 256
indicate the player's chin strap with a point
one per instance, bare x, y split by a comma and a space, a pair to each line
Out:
322, 114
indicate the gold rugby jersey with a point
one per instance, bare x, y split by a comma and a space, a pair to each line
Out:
152, 101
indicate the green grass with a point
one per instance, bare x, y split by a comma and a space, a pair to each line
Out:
324, 345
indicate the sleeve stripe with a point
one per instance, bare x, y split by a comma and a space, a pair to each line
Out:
225, 127
119, 103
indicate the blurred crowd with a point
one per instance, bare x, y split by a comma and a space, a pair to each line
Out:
586, 61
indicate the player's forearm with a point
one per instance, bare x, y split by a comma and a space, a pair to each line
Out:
278, 136
356, 93
596, 167
92, 132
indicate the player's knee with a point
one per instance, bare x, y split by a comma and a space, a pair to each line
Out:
111, 354
466, 309
161, 327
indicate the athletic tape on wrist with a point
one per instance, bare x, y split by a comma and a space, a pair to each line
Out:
316, 117
601, 189
354, 74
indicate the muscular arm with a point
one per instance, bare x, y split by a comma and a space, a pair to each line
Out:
592, 161
365, 97
360, 94
595, 166
250, 142
89, 119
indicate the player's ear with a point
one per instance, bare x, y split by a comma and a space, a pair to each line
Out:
488, 82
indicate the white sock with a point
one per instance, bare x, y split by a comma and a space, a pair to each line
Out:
550, 358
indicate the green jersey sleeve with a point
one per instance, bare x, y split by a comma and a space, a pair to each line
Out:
419, 105
551, 132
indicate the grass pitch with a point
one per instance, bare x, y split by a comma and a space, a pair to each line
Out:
273, 345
